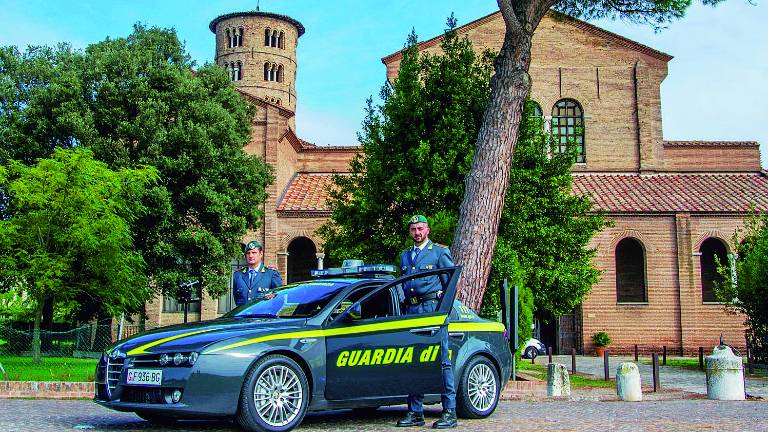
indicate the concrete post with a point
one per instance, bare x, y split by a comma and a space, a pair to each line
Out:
725, 375
558, 381
628, 385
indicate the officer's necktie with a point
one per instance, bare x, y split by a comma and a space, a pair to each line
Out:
416, 251
251, 272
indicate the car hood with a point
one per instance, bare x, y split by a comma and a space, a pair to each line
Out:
196, 336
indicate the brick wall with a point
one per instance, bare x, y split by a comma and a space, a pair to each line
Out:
47, 390
712, 158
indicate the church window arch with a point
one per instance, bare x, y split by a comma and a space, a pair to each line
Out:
229, 39
266, 71
280, 73
568, 127
273, 40
238, 71
630, 271
240, 37
712, 251
281, 40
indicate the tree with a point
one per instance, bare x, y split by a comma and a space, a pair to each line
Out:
415, 147
136, 101
746, 291
70, 232
488, 178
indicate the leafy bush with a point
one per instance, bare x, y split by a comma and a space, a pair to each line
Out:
601, 339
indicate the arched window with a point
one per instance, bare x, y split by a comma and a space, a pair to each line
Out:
273, 42
238, 74
301, 259
568, 127
267, 33
229, 39
240, 37
537, 112
630, 271
281, 40
280, 73
711, 248
266, 71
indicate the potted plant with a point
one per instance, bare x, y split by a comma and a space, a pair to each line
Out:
600, 340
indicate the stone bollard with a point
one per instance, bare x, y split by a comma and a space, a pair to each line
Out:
725, 375
558, 381
628, 382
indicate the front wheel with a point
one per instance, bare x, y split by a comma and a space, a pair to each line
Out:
531, 352
479, 389
274, 397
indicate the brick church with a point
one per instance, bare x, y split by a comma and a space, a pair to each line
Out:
674, 205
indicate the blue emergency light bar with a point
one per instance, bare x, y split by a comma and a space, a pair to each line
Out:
361, 269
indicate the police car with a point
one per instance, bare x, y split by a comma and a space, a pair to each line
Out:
338, 341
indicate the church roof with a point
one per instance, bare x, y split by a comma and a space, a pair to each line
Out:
256, 13
307, 193
666, 193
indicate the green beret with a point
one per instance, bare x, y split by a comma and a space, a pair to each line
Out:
418, 218
253, 244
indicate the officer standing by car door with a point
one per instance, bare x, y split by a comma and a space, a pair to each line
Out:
423, 296
256, 279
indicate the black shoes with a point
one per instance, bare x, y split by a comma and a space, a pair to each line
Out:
447, 420
412, 419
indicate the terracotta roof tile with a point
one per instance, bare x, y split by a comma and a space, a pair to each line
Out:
307, 192
614, 193
716, 193
711, 143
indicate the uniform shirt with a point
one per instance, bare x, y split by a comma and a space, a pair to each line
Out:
432, 256
246, 288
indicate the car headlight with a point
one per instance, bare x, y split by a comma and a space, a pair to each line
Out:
193, 358
164, 359
179, 358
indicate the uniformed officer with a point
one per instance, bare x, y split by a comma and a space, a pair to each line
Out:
423, 296
256, 279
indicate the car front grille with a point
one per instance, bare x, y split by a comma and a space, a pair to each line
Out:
146, 360
114, 368
143, 395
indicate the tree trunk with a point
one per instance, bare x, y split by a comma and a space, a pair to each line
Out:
36, 332
487, 181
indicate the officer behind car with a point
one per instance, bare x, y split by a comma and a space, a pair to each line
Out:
423, 296
255, 280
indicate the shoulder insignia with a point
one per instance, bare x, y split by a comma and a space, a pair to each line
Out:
272, 268
245, 270
440, 245
430, 246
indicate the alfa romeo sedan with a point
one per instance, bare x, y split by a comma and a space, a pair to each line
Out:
340, 341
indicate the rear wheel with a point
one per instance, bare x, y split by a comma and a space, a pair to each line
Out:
274, 397
531, 352
479, 389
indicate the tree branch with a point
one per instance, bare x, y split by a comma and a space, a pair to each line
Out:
510, 17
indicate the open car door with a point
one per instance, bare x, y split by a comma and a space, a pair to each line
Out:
374, 350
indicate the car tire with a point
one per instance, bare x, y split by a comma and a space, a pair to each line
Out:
274, 397
479, 389
157, 418
531, 352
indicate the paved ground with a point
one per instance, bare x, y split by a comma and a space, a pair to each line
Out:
693, 381
676, 415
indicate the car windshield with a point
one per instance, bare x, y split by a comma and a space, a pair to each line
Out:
290, 301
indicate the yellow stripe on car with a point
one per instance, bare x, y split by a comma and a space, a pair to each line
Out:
341, 331
143, 349
476, 326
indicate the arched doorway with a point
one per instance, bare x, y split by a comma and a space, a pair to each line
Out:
301, 259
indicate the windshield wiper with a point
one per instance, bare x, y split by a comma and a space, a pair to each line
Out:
256, 316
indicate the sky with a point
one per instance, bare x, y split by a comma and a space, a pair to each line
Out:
715, 90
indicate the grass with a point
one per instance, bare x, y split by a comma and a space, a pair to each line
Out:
577, 380
693, 364
49, 369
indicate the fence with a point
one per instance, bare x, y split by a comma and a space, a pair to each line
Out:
67, 355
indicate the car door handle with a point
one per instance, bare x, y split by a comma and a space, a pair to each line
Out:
459, 336
429, 331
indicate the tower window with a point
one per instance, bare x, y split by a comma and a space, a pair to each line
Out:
273, 41
267, 36
281, 40
266, 71
229, 39
280, 73
239, 37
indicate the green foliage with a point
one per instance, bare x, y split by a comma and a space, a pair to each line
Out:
69, 236
418, 147
547, 226
601, 339
747, 291
66, 369
136, 101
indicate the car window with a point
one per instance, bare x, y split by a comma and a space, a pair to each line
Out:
382, 304
291, 301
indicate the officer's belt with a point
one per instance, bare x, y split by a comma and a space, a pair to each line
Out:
421, 299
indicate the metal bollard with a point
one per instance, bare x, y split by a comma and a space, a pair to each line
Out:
664, 359
701, 358
606, 366
655, 367
750, 368
573, 360
549, 353
635, 352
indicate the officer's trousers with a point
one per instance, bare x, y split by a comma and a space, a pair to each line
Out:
448, 396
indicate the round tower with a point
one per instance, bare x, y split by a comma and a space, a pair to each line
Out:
258, 49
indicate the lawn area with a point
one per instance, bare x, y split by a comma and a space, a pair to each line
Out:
685, 363
577, 381
49, 369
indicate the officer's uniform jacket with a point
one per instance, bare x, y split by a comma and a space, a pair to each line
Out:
433, 256
264, 280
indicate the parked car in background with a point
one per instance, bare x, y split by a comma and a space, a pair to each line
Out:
533, 347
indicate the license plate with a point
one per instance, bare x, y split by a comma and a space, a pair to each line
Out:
150, 377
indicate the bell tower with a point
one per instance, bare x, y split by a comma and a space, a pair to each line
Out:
258, 50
